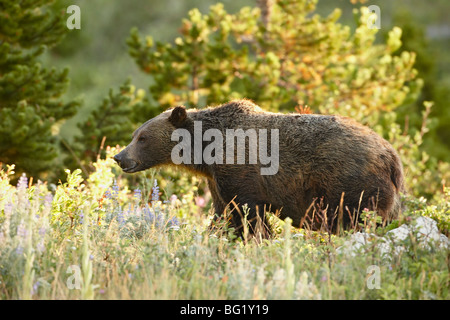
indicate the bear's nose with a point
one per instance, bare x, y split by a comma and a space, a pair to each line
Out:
117, 158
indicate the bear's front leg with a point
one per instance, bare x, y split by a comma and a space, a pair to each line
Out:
220, 206
249, 219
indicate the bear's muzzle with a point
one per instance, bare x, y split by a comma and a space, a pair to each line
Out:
128, 165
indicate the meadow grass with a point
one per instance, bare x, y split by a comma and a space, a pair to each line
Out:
96, 239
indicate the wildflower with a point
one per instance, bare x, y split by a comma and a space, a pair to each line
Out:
173, 199
108, 194
155, 192
137, 194
37, 191
148, 215
48, 199
21, 230
22, 233
137, 211
120, 217
159, 220
200, 201
41, 246
6, 222
23, 182
8, 209
115, 192
129, 211
42, 231
81, 218
174, 223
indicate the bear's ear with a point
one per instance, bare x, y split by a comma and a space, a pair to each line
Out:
178, 116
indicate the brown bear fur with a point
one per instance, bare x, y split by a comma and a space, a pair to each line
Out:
327, 164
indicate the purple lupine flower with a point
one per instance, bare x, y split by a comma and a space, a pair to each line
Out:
148, 214
155, 192
137, 194
42, 231
22, 184
120, 217
22, 231
48, 199
159, 220
108, 194
8, 208
174, 222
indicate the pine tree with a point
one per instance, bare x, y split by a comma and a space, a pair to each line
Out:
289, 56
437, 140
31, 107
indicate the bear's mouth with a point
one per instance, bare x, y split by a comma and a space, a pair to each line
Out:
135, 167
131, 169
129, 166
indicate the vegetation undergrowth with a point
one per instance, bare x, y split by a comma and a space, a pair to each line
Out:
102, 238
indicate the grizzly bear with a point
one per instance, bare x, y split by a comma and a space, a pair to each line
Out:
318, 170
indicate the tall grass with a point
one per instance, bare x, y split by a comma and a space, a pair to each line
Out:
97, 239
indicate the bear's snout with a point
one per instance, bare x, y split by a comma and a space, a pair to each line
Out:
128, 165
118, 158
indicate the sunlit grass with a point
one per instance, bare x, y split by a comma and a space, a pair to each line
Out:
101, 239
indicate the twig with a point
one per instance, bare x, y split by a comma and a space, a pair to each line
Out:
83, 168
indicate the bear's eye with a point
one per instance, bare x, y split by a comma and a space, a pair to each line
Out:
141, 139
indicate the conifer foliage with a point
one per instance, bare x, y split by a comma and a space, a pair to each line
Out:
279, 54
111, 123
31, 108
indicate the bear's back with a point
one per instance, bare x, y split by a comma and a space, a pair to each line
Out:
237, 107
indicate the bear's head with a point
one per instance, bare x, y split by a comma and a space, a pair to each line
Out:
151, 144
